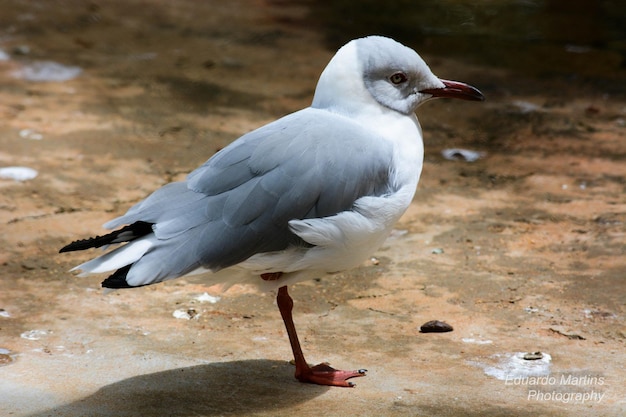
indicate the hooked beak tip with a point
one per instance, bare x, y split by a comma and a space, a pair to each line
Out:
455, 89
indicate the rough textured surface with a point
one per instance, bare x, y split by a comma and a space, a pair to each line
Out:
521, 251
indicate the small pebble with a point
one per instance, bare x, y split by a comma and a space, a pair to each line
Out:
437, 251
533, 356
435, 326
206, 297
17, 173
21, 50
526, 106
34, 334
456, 154
185, 314
30, 134
5, 359
47, 71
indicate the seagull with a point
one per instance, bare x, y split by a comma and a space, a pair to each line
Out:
313, 193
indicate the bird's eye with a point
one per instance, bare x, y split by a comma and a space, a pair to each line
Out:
398, 78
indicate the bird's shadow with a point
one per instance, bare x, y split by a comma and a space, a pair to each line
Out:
228, 388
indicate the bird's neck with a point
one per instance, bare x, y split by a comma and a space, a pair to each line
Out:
340, 89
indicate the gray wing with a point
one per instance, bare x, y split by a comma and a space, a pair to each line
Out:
309, 164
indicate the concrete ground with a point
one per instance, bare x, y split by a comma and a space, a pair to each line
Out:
521, 251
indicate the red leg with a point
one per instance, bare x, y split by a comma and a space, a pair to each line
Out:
321, 374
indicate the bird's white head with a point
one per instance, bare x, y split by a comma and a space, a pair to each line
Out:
380, 71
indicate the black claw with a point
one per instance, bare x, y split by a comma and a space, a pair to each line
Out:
362, 371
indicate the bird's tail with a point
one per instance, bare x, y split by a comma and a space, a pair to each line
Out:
121, 259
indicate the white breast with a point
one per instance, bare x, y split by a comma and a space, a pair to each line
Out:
345, 240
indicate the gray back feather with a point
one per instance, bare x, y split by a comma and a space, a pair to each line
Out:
309, 164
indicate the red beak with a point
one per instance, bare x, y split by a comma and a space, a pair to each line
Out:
455, 89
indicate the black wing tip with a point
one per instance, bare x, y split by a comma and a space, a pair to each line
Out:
82, 244
118, 279
125, 234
